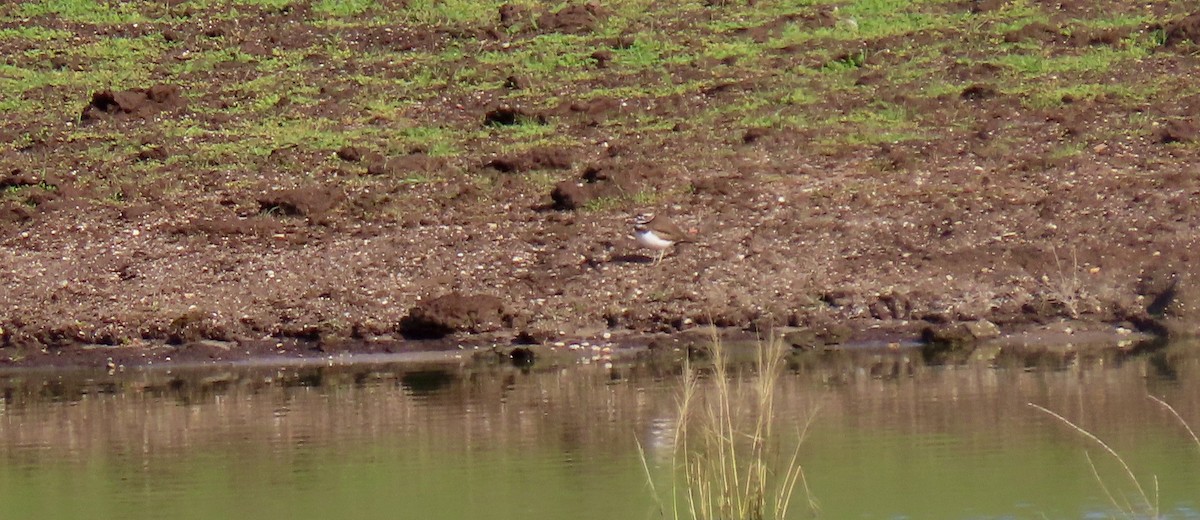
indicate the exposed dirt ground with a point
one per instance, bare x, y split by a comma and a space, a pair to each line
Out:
123, 233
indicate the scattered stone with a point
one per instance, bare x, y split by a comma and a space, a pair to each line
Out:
819, 336
891, 307
952, 342
981, 329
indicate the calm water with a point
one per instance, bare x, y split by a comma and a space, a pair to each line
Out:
459, 441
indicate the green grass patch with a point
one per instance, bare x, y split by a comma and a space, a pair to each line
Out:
35, 33
564, 55
344, 8
1096, 60
207, 61
83, 11
449, 12
648, 52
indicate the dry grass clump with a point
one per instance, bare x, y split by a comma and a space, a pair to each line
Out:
727, 446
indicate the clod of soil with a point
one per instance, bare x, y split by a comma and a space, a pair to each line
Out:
978, 91
1185, 30
602, 57
512, 14
138, 103
350, 154
754, 134
1178, 131
311, 202
575, 19
1174, 308
193, 326
515, 82
1036, 31
400, 166
535, 159
604, 180
986, 6
155, 153
596, 109
14, 213
17, 178
508, 116
455, 312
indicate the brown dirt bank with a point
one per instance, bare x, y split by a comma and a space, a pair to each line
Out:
126, 234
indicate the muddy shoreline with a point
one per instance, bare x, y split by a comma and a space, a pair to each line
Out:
282, 185
1057, 344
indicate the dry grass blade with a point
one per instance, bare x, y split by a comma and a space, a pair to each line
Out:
725, 447
1186, 426
1126, 508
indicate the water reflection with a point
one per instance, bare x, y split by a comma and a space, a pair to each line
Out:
893, 438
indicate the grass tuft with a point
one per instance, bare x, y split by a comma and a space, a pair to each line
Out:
727, 445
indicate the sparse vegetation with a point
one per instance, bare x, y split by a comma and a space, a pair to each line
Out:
730, 458
919, 147
1143, 502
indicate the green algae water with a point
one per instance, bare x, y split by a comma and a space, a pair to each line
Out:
453, 440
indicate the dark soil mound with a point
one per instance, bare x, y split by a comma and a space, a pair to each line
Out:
603, 180
1179, 131
311, 202
535, 159
1185, 30
138, 103
575, 19
455, 312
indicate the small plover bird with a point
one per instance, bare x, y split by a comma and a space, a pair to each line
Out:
657, 233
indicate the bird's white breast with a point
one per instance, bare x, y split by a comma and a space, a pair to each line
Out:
647, 238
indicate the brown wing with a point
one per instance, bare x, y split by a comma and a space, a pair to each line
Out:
670, 230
